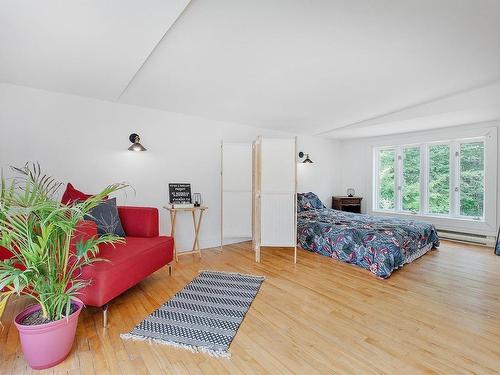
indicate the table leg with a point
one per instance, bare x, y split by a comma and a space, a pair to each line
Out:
198, 232
197, 225
194, 226
173, 216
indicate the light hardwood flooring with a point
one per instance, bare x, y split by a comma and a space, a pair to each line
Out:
440, 314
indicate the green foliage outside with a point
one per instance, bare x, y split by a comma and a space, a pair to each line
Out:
386, 180
471, 179
439, 179
411, 179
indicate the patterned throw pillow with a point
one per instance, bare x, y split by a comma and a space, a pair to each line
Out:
308, 201
106, 217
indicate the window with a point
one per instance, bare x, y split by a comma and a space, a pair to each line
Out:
471, 179
411, 179
439, 178
387, 182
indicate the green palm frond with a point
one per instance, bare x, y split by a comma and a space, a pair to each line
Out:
37, 230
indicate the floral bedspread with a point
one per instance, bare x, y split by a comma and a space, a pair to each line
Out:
378, 243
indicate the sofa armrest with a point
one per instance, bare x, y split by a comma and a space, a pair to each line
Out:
139, 221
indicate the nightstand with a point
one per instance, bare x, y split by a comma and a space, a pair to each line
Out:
350, 204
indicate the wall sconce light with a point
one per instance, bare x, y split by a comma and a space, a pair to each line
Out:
307, 160
135, 139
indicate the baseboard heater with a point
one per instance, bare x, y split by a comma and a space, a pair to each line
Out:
467, 237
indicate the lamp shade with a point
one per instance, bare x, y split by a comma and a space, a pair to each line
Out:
307, 159
136, 145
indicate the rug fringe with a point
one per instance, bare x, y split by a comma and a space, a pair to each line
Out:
192, 348
236, 273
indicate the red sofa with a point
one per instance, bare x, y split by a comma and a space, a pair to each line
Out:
143, 253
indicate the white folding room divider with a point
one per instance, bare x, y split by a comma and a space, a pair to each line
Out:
275, 187
236, 199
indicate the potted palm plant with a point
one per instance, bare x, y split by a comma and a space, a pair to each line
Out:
45, 264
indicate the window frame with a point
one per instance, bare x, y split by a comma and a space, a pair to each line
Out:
454, 178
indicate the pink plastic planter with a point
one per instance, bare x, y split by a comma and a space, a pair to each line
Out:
46, 345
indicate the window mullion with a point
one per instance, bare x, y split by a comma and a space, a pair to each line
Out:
455, 179
399, 180
376, 178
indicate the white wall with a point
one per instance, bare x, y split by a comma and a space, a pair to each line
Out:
358, 155
323, 177
85, 141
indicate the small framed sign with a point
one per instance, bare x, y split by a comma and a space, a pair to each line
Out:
179, 193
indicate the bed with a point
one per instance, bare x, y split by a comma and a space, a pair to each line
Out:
379, 244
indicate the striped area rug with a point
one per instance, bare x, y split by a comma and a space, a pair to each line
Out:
204, 316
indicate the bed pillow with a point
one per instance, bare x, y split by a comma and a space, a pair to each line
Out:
308, 201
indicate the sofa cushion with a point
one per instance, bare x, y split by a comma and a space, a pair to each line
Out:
106, 217
139, 221
4, 253
72, 195
126, 265
133, 251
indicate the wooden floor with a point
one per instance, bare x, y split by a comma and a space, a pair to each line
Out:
440, 314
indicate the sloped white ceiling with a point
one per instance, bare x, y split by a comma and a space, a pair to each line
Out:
473, 106
91, 48
326, 67
313, 66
